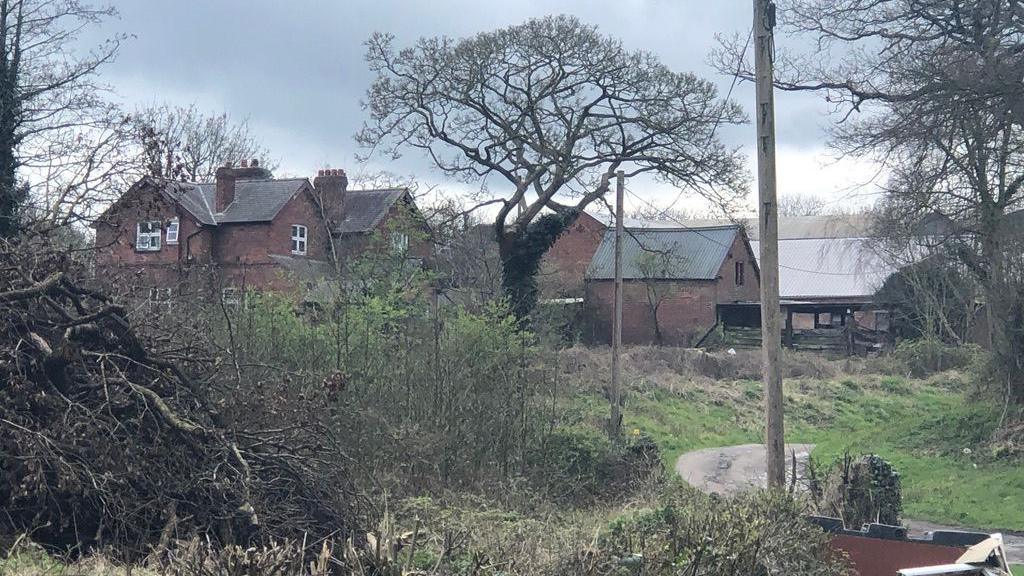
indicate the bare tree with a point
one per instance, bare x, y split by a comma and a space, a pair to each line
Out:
552, 109
46, 85
79, 171
654, 266
184, 143
794, 205
932, 90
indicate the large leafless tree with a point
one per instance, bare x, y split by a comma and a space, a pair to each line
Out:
185, 143
543, 114
934, 91
47, 87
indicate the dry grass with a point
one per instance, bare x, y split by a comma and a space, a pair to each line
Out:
679, 370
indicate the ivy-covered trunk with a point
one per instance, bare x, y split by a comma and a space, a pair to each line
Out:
11, 195
522, 251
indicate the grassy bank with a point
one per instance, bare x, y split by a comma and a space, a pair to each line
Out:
930, 429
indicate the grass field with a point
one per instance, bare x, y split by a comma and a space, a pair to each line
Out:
931, 430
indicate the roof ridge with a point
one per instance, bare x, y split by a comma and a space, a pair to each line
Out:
397, 189
693, 229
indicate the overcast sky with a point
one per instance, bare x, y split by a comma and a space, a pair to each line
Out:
295, 69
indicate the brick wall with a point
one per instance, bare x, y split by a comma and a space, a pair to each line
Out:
565, 264
686, 313
242, 251
253, 243
688, 308
727, 289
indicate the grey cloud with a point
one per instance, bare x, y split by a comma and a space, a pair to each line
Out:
296, 68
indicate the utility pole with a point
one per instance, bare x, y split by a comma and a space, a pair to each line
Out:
615, 423
768, 225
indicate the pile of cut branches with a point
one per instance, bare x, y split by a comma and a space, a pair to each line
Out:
105, 442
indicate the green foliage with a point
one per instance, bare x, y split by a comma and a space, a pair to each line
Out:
753, 534
580, 464
935, 431
925, 356
424, 394
859, 491
521, 257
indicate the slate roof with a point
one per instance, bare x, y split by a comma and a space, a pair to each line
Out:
255, 200
675, 253
362, 210
836, 268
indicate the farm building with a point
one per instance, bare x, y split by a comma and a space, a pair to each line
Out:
678, 284
674, 282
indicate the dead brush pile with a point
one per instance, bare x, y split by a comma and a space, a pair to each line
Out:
107, 443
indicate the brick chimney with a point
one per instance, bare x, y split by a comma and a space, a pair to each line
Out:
330, 185
224, 193
226, 176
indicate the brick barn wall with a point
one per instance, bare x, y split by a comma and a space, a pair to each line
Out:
728, 290
687, 311
565, 264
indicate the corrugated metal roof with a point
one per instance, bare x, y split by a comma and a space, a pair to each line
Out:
790, 227
667, 253
828, 268
362, 210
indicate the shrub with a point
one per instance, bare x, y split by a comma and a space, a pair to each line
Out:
582, 464
757, 533
862, 490
926, 356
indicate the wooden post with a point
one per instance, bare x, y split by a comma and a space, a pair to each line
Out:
789, 328
768, 224
615, 423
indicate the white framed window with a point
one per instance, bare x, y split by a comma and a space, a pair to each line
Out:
147, 236
298, 239
159, 298
230, 296
399, 242
172, 231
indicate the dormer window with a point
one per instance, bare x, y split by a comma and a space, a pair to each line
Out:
298, 239
147, 236
172, 232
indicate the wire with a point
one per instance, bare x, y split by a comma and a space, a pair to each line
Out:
712, 240
728, 95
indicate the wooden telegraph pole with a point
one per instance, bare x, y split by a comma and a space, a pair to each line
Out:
615, 424
771, 328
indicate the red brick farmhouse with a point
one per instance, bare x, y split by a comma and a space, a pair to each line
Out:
244, 230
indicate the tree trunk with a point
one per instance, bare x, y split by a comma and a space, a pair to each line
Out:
522, 251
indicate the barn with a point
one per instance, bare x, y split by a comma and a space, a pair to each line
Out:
675, 281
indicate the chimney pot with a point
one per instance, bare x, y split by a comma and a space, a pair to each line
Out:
331, 184
245, 163
255, 162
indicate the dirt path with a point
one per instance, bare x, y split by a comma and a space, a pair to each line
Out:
732, 469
